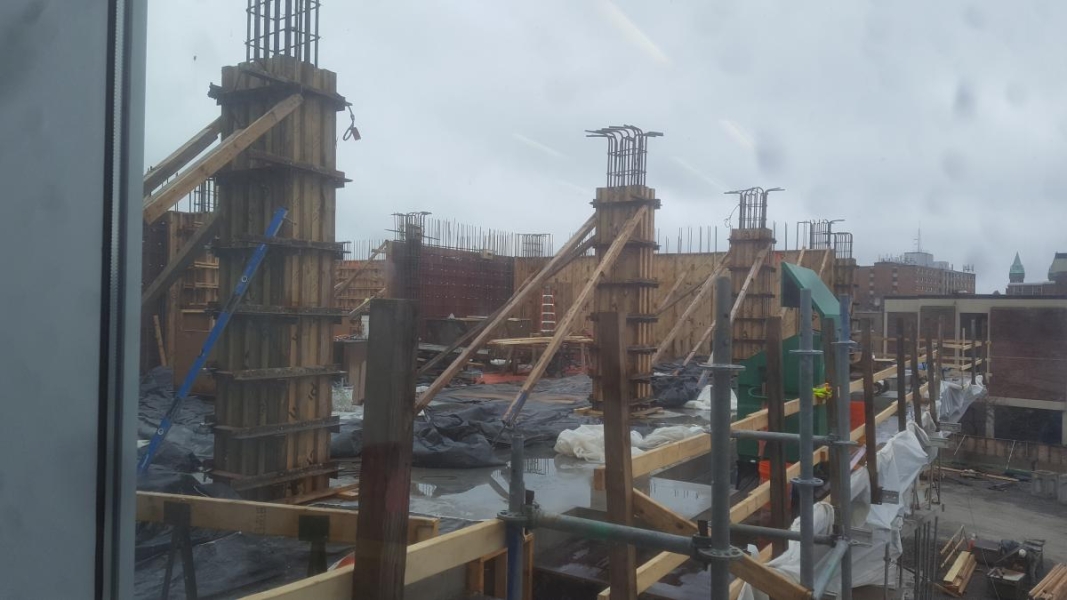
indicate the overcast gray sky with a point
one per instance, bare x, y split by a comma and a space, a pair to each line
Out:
949, 116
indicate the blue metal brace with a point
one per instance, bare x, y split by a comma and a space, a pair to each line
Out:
209, 343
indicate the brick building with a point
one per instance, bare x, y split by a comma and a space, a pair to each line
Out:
913, 274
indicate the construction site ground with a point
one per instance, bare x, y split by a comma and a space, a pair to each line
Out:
994, 513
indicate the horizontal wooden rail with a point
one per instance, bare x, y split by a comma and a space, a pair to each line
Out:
424, 560
265, 518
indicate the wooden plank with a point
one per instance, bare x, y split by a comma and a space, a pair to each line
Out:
688, 312
159, 203
775, 451
170, 165
659, 516
518, 298
263, 518
424, 560
190, 250
736, 585
385, 475
757, 264
867, 361
763, 578
564, 325
159, 341
902, 379
618, 478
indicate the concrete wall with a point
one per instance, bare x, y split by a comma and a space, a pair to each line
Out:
71, 237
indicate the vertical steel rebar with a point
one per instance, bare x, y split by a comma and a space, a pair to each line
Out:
720, 442
515, 537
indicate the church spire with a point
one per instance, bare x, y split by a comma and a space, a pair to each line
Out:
1017, 273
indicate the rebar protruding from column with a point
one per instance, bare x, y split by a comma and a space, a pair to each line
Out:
721, 372
844, 471
515, 537
627, 150
807, 482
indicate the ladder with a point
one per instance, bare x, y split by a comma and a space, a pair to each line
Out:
548, 313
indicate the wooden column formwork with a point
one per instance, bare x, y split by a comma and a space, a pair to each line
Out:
273, 408
761, 300
844, 276
629, 286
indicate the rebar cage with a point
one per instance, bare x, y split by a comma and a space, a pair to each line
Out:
282, 28
752, 207
627, 152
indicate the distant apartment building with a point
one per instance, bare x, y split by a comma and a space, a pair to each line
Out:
1055, 286
912, 274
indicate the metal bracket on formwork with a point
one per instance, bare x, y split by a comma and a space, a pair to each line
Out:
712, 555
814, 482
802, 352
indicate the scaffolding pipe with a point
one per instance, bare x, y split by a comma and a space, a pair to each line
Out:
828, 568
781, 436
773, 532
807, 482
844, 467
515, 537
611, 532
721, 373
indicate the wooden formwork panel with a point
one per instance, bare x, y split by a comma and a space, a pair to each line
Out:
666, 269
629, 285
285, 323
761, 301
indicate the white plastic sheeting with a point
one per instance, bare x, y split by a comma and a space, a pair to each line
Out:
703, 401
900, 461
587, 441
955, 399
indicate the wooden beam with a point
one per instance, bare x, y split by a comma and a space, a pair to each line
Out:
160, 202
825, 261
689, 310
340, 287
752, 272
193, 247
867, 361
181, 157
615, 384
385, 476
767, 580
765, 555
564, 325
159, 341
265, 518
902, 379
424, 559
516, 299
365, 305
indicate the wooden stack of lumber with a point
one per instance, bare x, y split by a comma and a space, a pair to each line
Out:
957, 578
1053, 586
